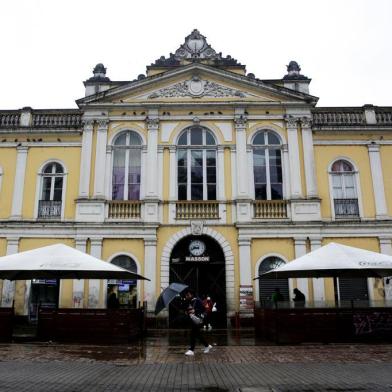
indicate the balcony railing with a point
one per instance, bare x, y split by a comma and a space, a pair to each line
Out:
10, 119
346, 208
57, 120
203, 209
124, 209
270, 209
384, 117
49, 209
354, 116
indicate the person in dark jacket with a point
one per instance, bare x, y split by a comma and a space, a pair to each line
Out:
195, 311
299, 299
113, 302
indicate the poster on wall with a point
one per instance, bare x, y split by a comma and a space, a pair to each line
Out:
246, 299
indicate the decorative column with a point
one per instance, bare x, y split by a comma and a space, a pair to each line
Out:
94, 284
242, 168
173, 172
17, 198
245, 262
310, 172
100, 159
295, 168
300, 250
150, 268
78, 284
108, 172
318, 283
151, 195
386, 248
152, 155
286, 171
221, 173
378, 181
85, 159
8, 292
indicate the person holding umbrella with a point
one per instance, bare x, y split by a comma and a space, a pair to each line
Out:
195, 311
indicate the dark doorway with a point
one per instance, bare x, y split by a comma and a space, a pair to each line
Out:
199, 262
44, 293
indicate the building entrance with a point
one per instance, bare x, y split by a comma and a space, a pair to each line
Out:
199, 262
44, 293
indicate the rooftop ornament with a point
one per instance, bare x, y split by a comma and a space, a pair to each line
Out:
294, 71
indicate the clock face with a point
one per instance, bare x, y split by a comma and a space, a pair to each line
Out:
197, 248
195, 44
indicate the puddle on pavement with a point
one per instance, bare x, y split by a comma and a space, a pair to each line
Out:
105, 353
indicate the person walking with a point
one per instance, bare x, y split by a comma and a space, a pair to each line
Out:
195, 312
208, 305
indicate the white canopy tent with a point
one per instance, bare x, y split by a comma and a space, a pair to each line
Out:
335, 260
59, 262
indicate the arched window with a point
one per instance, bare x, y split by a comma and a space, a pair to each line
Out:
51, 197
126, 166
344, 192
267, 166
267, 286
196, 165
126, 290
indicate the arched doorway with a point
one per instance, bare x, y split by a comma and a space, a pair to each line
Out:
199, 262
267, 286
126, 290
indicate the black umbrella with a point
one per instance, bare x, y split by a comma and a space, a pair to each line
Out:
168, 295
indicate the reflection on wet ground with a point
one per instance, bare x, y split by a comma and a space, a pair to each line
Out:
168, 346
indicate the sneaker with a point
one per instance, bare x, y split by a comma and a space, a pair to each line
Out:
190, 353
209, 327
207, 349
204, 327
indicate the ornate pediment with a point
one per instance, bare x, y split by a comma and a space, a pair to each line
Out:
195, 88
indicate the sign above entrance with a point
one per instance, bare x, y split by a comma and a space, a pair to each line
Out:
197, 249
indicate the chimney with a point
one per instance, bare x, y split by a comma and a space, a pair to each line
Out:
98, 82
294, 80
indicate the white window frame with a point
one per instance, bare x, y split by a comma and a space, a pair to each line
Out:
203, 148
356, 183
39, 186
266, 148
127, 147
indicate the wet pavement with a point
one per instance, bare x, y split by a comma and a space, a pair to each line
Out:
237, 362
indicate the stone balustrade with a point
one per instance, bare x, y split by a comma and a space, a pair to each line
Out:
9, 120
124, 209
270, 209
57, 120
339, 117
200, 209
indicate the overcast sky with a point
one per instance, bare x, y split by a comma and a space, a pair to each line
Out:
49, 47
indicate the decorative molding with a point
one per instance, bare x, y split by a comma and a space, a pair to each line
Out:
197, 227
152, 123
306, 122
291, 122
195, 88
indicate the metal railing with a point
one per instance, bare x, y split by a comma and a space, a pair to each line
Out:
346, 208
124, 209
49, 209
270, 209
190, 209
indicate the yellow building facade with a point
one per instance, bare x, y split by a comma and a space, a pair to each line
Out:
195, 172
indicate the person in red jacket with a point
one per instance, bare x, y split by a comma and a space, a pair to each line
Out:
207, 303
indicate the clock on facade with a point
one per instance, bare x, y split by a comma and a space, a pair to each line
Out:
197, 247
